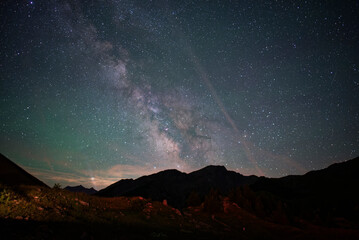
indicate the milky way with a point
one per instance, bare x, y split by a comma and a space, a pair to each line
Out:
98, 91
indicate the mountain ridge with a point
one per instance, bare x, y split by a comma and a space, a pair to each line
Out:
13, 174
82, 189
175, 186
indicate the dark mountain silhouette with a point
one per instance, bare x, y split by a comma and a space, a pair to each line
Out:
339, 177
81, 189
12, 174
175, 186
323, 193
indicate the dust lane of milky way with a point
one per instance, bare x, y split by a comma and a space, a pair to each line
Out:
98, 91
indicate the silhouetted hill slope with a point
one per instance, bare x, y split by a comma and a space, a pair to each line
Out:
81, 189
12, 174
175, 186
331, 191
337, 177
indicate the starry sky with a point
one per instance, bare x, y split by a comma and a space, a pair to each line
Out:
96, 91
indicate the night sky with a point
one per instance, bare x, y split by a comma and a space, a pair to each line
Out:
96, 91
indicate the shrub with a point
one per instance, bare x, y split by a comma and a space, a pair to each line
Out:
57, 186
5, 197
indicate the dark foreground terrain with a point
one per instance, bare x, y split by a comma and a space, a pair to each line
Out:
32, 212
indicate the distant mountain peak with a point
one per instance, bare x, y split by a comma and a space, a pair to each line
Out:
215, 168
170, 172
82, 189
175, 186
211, 169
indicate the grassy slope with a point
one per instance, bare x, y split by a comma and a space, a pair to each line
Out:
42, 213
